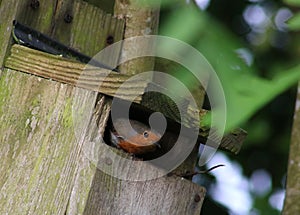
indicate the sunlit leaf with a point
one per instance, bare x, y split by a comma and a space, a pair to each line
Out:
244, 91
184, 24
292, 2
294, 22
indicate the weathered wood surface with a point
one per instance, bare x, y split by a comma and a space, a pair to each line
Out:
22, 10
40, 151
42, 164
43, 167
142, 21
73, 73
166, 195
139, 21
105, 5
292, 198
77, 74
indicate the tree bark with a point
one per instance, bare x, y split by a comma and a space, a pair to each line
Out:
292, 195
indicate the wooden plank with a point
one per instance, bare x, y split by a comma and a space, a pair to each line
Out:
131, 197
139, 21
70, 72
166, 195
22, 111
8, 12
41, 142
105, 5
89, 33
115, 196
22, 10
39, 145
45, 170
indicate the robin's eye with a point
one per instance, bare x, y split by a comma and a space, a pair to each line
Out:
146, 134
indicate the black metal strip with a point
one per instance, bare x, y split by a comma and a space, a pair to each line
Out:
27, 36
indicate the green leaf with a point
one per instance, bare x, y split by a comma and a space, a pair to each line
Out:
292, 2
294, 22
184, 24
245, 92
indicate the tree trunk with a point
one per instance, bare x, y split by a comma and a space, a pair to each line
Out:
292, 197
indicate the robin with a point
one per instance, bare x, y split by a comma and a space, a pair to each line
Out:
136, 138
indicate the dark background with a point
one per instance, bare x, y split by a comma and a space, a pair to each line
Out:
269, 130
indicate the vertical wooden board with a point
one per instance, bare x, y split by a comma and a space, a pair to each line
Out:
165, 195
91, 24
62, 21
105, 5
87, 171
109, 195
141, 20
38, 144
8, 11
94, 31
88, 32
40, 18
40, 148
89, 27
49, 172
24, 131
13, 118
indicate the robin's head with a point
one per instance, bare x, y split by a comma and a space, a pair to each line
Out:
136, 132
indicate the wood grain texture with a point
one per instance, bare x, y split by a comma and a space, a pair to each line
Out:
105, 5
45, 126
71, 72
39, 146
77, 74
292, 198
43, 168
21, 10
140, 20
166, 195
32, 156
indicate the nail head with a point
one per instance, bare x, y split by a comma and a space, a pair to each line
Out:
110, 40
197, 198
34, 4
68, 18
108, 161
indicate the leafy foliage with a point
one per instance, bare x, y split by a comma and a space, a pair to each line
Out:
245, 91
292, 2
294, 23
255, 90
